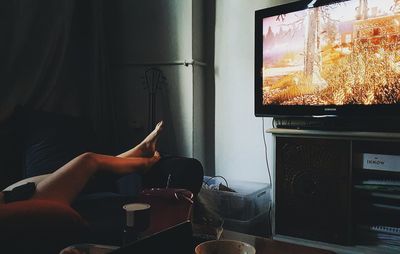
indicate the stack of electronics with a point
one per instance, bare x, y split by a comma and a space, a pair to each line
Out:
377, 192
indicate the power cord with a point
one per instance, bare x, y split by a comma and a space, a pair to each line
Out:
266, 151
269, 176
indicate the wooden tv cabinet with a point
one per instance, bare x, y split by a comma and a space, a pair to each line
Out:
316, 195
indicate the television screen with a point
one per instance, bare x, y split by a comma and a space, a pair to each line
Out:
335, 58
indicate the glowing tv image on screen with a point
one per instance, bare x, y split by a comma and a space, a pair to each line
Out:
339, 54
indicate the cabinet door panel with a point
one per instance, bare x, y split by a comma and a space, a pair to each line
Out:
313, 188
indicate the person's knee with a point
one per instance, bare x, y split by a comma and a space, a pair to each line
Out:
88, 159
88, 156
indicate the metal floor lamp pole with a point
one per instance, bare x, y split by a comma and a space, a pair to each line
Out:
153, 79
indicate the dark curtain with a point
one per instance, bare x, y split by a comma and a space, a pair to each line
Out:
52, 58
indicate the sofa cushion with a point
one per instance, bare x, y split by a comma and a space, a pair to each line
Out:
49, 140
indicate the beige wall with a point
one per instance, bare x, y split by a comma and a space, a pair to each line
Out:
239, 149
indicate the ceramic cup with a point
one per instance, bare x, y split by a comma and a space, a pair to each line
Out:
224, 247
137, 215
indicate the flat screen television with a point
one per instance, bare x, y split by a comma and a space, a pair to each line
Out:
328, 58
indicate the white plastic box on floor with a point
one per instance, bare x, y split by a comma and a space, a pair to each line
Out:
245, 210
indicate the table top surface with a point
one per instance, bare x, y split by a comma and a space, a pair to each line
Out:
270, 246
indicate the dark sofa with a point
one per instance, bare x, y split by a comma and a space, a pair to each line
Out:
39, 142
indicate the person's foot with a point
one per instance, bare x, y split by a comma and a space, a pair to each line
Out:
148, 145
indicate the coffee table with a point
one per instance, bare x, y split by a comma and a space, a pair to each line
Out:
269, 246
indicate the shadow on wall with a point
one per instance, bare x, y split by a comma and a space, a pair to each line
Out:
168, 142
209, 41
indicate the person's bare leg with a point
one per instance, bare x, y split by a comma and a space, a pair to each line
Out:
147, 147
67, 182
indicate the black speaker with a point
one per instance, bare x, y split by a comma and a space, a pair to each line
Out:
312, 189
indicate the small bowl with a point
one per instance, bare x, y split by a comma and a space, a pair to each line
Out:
224, 247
